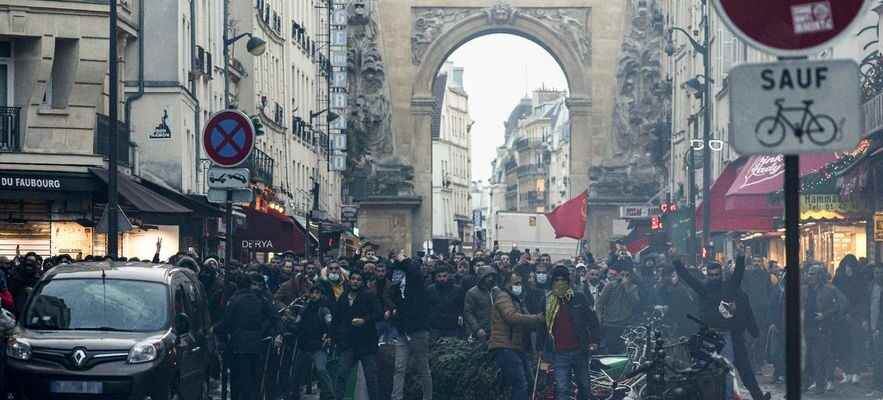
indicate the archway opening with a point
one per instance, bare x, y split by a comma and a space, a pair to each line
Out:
500, 143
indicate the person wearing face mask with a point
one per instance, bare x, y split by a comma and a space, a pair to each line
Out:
618, 307
334, 277
508, 342
355, 334
572, 332
477, 304
409, 316
445, 304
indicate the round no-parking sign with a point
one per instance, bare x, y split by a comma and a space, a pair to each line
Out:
228, 138
790, 27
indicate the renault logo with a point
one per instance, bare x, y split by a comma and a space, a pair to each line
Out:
79, 357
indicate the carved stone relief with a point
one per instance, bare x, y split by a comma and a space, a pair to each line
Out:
369, 120
641, 116
570, 24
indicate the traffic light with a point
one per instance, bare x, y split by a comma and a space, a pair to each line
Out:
258, 126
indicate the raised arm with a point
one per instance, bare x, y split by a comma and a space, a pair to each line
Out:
687, 277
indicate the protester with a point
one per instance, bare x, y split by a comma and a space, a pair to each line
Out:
445, 304
508, 341
822, 305
410, 318
311, 332
618, 307
849, 341
249, 317
477, 304
573, 333
355, 334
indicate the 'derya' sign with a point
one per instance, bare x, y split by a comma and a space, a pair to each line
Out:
257, 244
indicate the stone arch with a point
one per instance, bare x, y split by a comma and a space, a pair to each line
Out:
478, 22
564, 32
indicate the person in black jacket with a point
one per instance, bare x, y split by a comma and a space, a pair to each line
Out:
312, 329
249, 318
355, 334
445, 304
725, 308
410, 317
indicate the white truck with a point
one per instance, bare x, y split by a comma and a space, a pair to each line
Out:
531, 231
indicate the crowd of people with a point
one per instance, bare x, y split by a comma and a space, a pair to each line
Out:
520, 304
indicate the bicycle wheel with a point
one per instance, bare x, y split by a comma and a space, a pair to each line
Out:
822, 130
770, 132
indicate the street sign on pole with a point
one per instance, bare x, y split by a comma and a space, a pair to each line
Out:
795, 107
790, 27
228, 138
239, 196
228, 178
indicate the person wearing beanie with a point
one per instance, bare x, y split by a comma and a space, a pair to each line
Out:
572, 330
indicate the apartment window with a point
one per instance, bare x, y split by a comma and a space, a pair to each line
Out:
64, 69
7, 69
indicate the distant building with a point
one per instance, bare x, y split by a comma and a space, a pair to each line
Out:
531, 168
452, 164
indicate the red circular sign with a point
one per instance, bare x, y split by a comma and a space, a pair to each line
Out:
790, 27
228, 138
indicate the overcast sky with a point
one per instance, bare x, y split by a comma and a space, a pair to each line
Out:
499, 70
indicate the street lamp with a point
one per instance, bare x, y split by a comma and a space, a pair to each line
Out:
705, 89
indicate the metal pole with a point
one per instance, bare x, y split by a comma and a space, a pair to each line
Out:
792, 277
113, 142
691, 194
226, 34
228, 247
706, 130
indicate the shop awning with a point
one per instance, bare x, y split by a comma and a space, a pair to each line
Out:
144, 199
198, 203
763, 175
723, 220
265, 232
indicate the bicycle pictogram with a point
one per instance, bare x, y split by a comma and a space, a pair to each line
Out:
771, 131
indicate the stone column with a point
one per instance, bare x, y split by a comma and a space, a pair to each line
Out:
581, 144
422, 107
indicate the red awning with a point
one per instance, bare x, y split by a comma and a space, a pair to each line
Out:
723, 220
266, 232
762, 175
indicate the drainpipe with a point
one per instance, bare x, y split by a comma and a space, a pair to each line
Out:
140, 93
197, 109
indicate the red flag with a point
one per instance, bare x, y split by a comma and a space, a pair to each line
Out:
569, 219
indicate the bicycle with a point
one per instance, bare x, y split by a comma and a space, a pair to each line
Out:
819, 128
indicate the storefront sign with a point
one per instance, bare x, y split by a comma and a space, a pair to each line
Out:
878, 227
827, 202
30, 183
638, 212
257, 245
46, 182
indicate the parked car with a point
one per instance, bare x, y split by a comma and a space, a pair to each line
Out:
113, 330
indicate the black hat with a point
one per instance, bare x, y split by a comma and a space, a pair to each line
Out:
560, 271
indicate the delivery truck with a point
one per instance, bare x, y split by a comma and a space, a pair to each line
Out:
530, 230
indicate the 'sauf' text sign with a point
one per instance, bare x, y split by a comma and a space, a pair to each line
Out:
795, 107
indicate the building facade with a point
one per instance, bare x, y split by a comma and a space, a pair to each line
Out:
532, 166
54, 127
827, 241
451, 158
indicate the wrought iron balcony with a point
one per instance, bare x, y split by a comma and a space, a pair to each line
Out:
102, 140
261, 166
10, 129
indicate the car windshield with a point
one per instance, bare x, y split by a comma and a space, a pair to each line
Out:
99, 304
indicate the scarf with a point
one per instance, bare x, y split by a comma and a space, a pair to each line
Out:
553, 304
